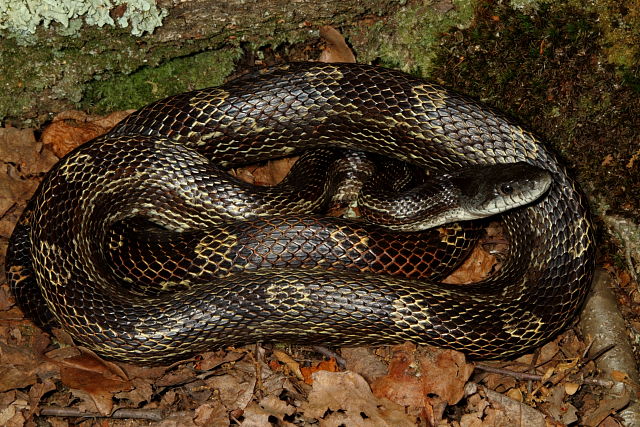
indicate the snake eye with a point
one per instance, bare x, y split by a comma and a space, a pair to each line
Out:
506, 189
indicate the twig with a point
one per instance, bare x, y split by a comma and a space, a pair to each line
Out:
330, 353
536, 377
599, 353
139, 414
560, 377
532, 368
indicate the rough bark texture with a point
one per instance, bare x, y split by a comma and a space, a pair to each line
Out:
58, 67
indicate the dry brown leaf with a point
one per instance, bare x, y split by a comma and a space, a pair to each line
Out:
61, 353
13, 190
476, 267
445, 372
7, 398
20, 367
61, 137
336, 48
543, 356
610, 421
275, 171
141, 392
71, 129
13, 378
350, 394
276, 407
89, 377
290, 362
498, 382
477, 407
255, 416
275, 382
180, 375
168, 399
402, 384
557, 406
36, 392
20, 148
145, 372
11, 407
489, 408
233, 390
22, 158
213, 359
270, 173
606, 406
270, 406
209, 414
425, 380
6, 300
363, 361
325, 365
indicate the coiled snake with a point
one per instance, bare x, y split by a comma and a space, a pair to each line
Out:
158, 156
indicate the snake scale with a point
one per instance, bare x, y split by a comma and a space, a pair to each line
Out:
155, 164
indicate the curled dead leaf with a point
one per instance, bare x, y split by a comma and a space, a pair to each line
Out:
476, 267
325, 365
270, 173
290, 362
71, 129
91, 378
344, 398
336, 48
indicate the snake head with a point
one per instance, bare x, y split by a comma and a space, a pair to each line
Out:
492, 189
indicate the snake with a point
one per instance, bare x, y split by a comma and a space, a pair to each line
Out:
154, 163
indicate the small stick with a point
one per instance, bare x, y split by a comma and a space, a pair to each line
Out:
330, 353
536, 377
132, 413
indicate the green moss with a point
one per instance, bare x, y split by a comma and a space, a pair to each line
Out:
619, 23
17, 81
548, 68
409, 40
150, 83
528, 5
631, 80
52, 75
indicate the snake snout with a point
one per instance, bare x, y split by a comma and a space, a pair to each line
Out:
493, 189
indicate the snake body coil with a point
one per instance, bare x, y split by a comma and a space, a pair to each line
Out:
157, 164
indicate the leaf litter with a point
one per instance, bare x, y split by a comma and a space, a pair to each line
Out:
46, 377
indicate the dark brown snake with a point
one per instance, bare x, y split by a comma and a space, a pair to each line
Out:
156, 162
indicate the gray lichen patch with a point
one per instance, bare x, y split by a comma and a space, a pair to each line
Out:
21, 17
